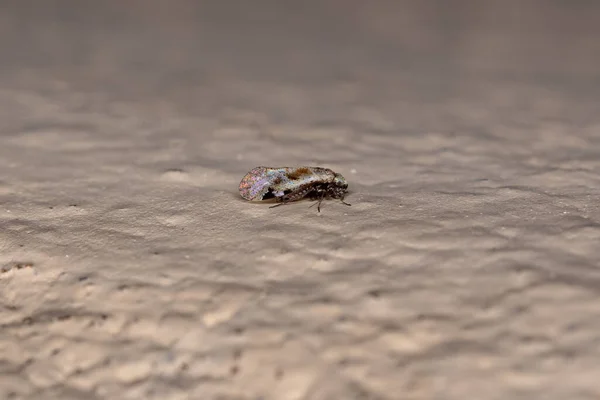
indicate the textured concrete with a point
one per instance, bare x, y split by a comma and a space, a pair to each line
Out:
468, 266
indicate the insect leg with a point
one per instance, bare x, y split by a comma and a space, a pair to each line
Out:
319, 195
280, 202
343, 202
321, 200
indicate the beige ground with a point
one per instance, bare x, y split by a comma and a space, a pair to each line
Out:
468, 266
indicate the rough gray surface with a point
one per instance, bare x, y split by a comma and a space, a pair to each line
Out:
468, 266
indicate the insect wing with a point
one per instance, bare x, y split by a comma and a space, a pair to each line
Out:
285, 183
258, 184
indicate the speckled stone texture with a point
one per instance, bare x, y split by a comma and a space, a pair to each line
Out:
468, 266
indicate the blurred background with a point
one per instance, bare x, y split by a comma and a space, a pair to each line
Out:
174, 53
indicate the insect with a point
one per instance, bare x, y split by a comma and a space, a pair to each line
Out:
287, 184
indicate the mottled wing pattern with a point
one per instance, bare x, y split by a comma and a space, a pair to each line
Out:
257, 182
263, 183
296, 180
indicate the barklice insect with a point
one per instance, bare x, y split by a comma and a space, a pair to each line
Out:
286, 184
